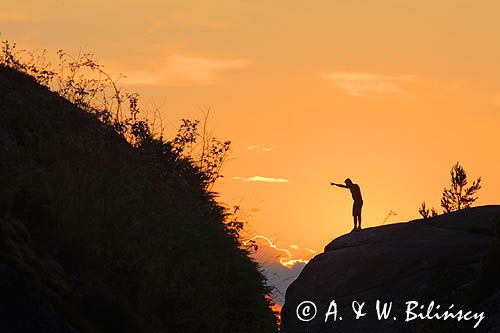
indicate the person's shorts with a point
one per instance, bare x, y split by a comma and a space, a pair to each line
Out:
356, 208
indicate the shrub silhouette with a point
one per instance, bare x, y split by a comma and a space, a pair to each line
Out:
142, 243
458, 196
427, 212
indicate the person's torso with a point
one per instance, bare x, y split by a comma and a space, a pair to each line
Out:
356, 192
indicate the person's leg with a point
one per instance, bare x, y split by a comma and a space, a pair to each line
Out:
354, 215
358, 214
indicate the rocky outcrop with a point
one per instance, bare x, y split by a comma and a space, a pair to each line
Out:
422, 260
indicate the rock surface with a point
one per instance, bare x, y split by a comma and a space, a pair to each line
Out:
418, 260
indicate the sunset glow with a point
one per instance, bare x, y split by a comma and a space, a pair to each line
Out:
388, 93
285, 256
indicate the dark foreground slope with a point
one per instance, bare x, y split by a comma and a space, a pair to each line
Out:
450, 259
99, 236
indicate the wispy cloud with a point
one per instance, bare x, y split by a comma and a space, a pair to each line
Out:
263, 179
186, 70
361, 84
265, 148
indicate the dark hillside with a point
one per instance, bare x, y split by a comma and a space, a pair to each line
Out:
98, 235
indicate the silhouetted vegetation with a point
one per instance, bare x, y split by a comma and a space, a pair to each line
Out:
426, 212
109, 222
458, 196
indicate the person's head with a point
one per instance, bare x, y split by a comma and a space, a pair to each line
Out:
348, 182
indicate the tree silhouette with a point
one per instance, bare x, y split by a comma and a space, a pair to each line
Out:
458, 196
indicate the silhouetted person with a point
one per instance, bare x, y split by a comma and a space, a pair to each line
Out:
358, 201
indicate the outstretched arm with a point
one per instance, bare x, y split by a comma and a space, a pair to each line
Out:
339, 185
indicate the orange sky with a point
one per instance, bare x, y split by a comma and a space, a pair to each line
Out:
388, 93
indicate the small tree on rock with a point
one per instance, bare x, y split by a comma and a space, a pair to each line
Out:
458, 196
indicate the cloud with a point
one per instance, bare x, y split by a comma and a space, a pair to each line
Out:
263, 179
285, 257
361, 84
184, 70
281, 266
265, 148
280, 278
